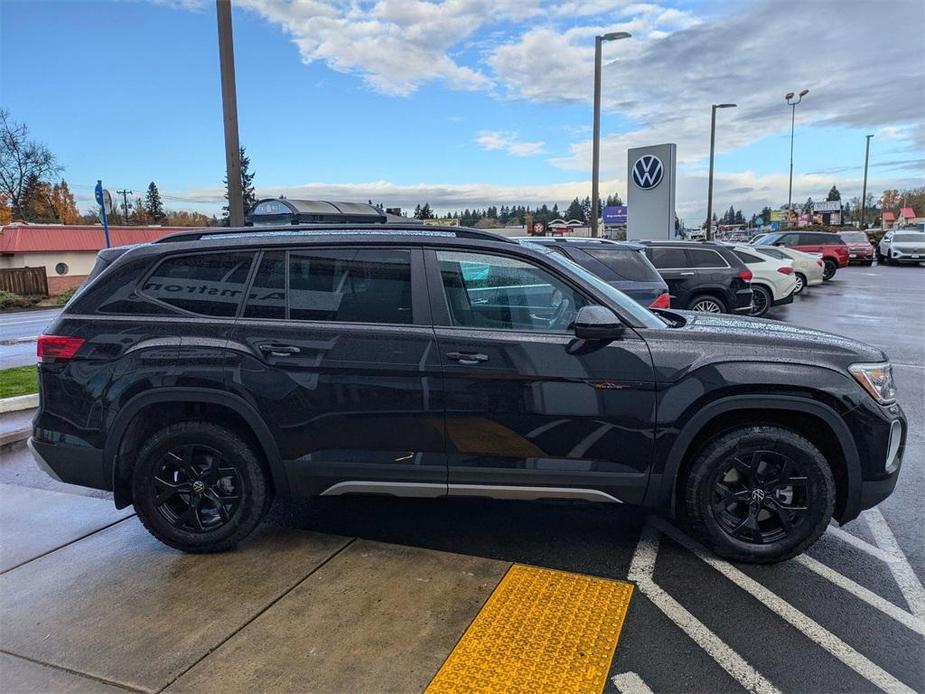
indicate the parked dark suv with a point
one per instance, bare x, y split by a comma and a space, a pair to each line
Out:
198, 376
702, 276
620, 264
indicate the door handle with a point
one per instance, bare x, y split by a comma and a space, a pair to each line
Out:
687, 274
467, 357
279, 350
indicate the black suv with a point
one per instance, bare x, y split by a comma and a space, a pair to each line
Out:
620, 264
199, 376
702, 275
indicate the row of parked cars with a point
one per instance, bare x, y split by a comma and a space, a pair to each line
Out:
698, 276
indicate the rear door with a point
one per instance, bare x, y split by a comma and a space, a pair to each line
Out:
336, 350
674, 267
530, 409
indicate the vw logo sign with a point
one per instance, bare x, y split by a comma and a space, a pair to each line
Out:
647, 171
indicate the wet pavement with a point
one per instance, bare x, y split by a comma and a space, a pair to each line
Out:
352, 594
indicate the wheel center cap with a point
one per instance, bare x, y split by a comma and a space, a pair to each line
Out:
199, 487
758, 495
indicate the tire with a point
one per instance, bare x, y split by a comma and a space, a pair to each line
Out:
801, 283
707, 303
831, 267
732, 504
213, 491
761, 300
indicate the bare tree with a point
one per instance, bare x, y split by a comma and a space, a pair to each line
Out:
21, 160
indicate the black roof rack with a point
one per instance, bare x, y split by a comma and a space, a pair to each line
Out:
310, 230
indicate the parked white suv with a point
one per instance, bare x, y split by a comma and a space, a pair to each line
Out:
901, 246
808, 268
773, 280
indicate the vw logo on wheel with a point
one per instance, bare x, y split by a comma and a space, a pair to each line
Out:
647, 171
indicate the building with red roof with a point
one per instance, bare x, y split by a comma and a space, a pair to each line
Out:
66, 252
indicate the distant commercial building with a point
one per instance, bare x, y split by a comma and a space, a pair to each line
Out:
67, 253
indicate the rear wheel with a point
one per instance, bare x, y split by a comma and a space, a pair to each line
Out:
761, 300
199, 487
801, 283
707, 304
759, 494
829, 269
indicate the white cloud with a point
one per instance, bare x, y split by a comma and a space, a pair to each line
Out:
508, 142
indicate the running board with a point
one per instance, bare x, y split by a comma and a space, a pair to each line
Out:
493, 491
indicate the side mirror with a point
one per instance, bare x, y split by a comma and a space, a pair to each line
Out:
598, 323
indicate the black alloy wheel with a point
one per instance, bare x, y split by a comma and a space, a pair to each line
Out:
829, 269
761, 301
199, 486
196, 490
761, 498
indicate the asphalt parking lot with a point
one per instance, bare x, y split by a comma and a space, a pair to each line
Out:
352, 594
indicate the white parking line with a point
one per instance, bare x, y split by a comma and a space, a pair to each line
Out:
641, 571
867, 669
862, 593
909, 584
630, 683
860, 544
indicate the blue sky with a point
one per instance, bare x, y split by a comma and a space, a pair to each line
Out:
467, 102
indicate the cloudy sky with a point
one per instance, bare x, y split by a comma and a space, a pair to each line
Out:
466, 103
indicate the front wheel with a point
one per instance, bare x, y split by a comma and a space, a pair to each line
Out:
801, 283
829, 269
759, 494
199, 487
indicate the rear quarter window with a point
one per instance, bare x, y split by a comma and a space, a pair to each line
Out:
207, 284
705, 258
623, 264
667, 258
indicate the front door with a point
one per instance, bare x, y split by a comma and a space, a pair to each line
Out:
336, 351
532, 411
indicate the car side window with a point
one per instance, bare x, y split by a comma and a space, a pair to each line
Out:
495, 292
705, 258
354, 285
267, 296
667, 258
748, 258
208, 284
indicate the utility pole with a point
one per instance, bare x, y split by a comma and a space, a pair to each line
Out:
864, 193
596, 136
230, 113
124, 194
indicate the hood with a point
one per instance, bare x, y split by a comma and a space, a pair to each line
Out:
760, 339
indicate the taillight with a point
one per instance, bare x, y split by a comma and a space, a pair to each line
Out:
661, 301
52, 348
745, 275
785, 270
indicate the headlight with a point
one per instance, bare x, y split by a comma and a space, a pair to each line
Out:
876, 379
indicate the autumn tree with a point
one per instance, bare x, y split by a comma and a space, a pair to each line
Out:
139, 215
154, 208
6, 214
63, 204
23, 161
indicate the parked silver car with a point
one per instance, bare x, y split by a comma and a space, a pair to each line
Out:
807, 267
901, 246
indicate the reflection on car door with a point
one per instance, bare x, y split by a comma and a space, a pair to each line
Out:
532, 410
339, 349
672, 264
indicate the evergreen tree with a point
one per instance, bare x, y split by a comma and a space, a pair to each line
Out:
154, 208
808, 206
575, 211
834, 194
248, 197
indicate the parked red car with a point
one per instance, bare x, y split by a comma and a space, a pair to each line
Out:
831, 246
859, 248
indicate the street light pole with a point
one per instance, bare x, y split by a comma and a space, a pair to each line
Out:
793, 116
596, 136
864, 191
709, 234
230, 113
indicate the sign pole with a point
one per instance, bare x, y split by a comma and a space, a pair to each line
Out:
101, 199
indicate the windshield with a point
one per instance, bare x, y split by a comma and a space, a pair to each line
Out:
644, 316
915, 236
854, 237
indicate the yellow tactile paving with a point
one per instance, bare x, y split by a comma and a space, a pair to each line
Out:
540, 631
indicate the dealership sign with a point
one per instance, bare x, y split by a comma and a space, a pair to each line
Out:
647, 171
615, 214
827, 206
